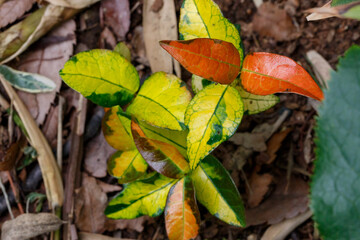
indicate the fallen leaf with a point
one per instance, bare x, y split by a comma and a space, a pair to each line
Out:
73, 3
281, 204
14, 9
97, 152
158, 26
30, 225
117, 16
136, 224
90, 204
107, 188
47, 61
275, 142
93, 236
259, 186
107, 39
253, 141
274, 22
50, 126
138, 44
320, 66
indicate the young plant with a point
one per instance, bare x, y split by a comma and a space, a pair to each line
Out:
173, 133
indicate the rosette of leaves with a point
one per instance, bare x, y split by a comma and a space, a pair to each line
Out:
165, 128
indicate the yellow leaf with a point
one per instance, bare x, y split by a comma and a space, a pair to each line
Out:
212, 117
162, 101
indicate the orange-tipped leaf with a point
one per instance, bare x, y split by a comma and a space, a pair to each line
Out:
212, 59
162, 157
182, 216
267, 73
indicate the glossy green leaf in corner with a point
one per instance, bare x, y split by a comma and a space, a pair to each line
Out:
27, 82
217, 192
254, 104
162, 157
212, 117
162, 101
335, 191
182, 216
116, 129
123, 50
127, 166
173, 137
203, 19
102, 76
146, 196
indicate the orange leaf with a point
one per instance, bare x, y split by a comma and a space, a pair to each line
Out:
162, 157
212, 59
267, 73
182, 216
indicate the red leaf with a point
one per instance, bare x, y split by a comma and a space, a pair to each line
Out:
267, 73
162, 157
182, 216
212, 59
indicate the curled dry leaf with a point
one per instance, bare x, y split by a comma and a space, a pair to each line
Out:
274, 22
287, 201
159, 25
29, 225
117, 16
259, 186
12, 10
47, 61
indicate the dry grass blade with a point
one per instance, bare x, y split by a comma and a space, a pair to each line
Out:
49, 168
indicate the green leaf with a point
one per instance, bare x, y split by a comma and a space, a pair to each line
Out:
27, 82
353, 12
116, 129
123, 50
162, 157
102, 76
146, 196
127, 166
203, 19
254, 104
212, 117
335, 191
217, 192
182, 216
342, 2
162, 101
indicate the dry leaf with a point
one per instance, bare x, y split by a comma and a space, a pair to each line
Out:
274, 144
78, 4
29, 225
161, 25
281, 204
253, 141
97, 152
117, 16
320, 66
136, 224
47, 61
107, 188
14, 9
93, 236
274, 22
50, 126
90, 204
259, 186
107, 38
281, 230
138, 44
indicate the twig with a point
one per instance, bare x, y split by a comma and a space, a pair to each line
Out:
59, 151
6, 199
50, 171
73, 177
10, 123
16, 195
